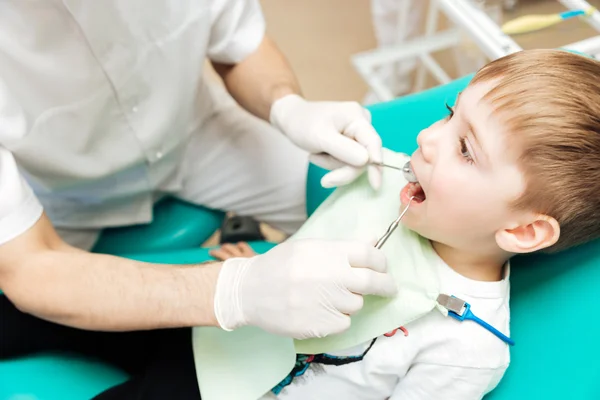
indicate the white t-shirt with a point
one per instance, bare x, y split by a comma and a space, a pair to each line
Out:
435, 357
99, 98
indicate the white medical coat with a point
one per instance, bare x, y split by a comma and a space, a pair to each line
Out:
98, 99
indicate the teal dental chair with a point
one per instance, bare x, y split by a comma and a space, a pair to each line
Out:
553, 298
175, 225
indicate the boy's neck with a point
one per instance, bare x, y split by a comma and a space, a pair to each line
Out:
474, 266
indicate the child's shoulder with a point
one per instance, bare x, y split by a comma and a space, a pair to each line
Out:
447, 341
468, 343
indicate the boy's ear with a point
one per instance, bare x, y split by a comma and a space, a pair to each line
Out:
539, 233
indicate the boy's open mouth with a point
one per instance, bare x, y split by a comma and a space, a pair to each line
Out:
415, 189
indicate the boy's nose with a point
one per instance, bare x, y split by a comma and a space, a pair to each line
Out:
426, 143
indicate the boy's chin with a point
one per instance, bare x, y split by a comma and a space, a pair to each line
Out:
409, 222
412, 223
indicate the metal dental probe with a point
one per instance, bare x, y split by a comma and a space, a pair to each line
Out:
392, 227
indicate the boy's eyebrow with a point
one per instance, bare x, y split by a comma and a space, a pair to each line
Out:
471, 128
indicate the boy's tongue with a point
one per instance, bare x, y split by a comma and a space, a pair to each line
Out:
415, 189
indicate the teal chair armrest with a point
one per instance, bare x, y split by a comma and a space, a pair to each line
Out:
55, 377
176, 224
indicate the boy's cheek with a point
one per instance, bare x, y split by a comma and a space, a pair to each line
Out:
457, 210
443, 191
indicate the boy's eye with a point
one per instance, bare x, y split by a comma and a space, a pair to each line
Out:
464, 151
449, 117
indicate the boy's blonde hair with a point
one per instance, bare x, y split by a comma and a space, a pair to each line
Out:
549, 100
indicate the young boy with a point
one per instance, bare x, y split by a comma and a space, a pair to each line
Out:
514, 168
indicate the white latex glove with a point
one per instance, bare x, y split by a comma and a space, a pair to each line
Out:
339, 136
301, 289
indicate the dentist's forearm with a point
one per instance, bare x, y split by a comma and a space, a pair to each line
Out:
45, 277
260, 79
102, 292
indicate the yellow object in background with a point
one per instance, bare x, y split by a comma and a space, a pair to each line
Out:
530, 23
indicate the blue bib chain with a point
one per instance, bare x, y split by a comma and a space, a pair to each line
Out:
461, 310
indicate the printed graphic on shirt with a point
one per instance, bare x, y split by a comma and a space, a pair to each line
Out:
305, 361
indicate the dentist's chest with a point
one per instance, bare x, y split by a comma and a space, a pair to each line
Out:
106, 86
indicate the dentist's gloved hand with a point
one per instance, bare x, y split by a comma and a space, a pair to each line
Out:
301, 289
339, 136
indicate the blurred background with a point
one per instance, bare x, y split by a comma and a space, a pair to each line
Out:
320, 36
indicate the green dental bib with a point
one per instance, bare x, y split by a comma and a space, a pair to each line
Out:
247, 363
